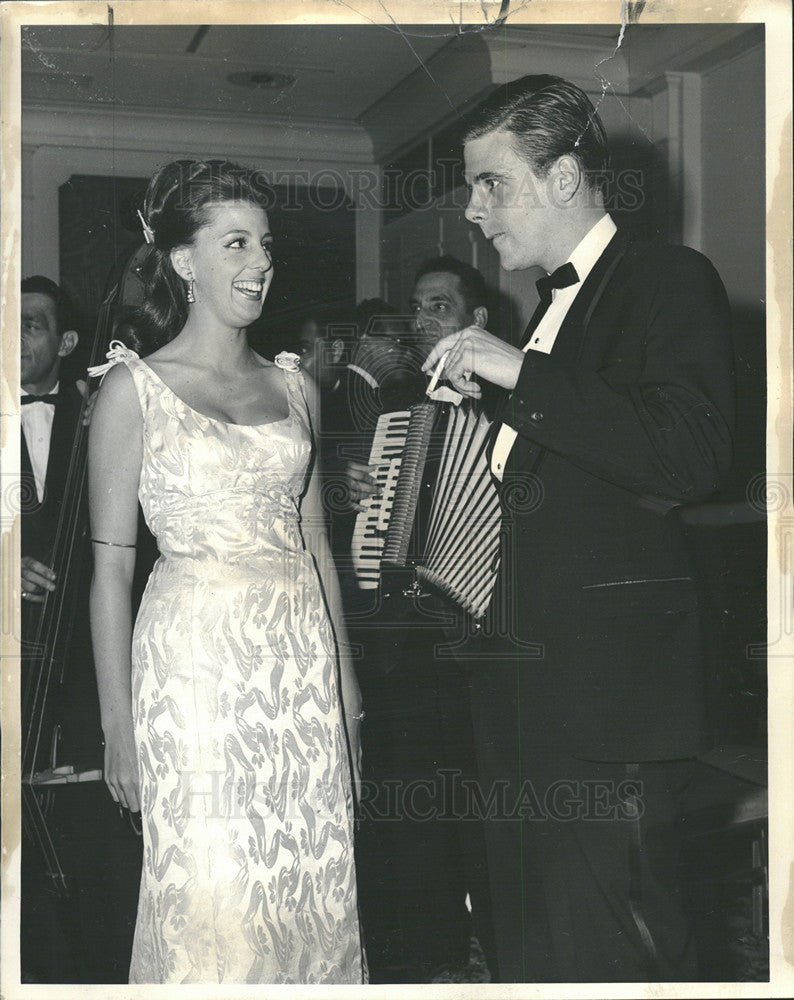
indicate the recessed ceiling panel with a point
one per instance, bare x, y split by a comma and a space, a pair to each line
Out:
339, 71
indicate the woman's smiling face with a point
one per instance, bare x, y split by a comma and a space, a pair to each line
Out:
231, 263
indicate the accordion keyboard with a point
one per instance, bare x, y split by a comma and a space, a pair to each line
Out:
369, 532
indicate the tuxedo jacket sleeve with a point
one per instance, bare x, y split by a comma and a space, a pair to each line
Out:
642, 396
630, 414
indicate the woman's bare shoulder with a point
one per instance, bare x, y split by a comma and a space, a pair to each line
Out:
117, 394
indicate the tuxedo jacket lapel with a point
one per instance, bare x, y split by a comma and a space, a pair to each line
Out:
534, 321
25, 465
30, 505
40, 520
62, 435
569, 342
573, 332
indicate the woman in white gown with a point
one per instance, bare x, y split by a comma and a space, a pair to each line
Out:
230, 718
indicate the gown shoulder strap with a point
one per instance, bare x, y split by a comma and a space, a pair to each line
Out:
142, 374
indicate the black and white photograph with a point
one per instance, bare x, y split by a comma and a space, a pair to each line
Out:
397, 506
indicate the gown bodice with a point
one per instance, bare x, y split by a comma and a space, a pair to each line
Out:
210, 488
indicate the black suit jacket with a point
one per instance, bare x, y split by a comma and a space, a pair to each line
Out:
40, 519
72, 704
630, 415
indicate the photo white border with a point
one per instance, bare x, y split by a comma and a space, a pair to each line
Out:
776, 15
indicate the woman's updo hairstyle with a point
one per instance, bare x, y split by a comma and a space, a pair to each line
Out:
175, 208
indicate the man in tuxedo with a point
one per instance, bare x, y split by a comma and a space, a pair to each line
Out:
419, 858
588, 697
350, 406
447, 296
86, 936
50, 415
46, 338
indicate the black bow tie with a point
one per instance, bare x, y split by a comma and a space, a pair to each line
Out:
49, 397
561, 278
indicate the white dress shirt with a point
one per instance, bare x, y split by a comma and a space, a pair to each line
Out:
583, 258
37, 421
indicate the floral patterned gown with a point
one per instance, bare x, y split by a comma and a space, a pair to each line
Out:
248, 873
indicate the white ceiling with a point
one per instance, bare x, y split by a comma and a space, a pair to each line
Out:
339, 71
381, 79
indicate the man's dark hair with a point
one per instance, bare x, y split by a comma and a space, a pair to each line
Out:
37, 284
548, 118
369, 312
472, 283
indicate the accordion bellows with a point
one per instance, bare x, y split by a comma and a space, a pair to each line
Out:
460, 554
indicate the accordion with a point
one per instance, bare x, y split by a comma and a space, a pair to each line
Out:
456, 552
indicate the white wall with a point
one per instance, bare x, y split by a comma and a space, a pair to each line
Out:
732, 175
58, 142
418, 235
442, 228
709, 126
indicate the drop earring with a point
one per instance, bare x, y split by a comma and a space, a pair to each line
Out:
191, 295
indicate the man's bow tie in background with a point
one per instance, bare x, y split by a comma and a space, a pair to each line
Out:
49, 397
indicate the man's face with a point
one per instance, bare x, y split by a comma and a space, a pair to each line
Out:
508, 202
319, 355
307, 344
439, 308
40, 345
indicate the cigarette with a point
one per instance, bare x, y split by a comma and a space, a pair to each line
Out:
437, 372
